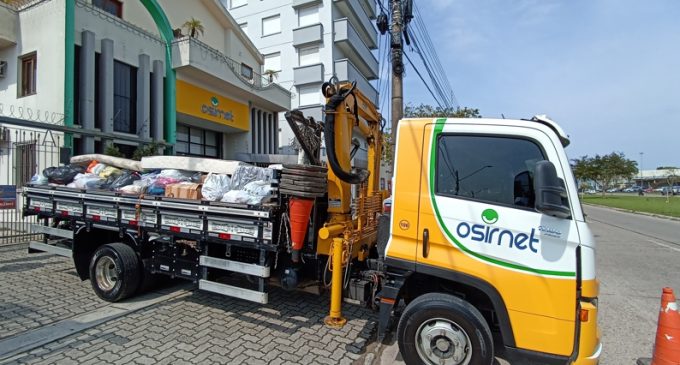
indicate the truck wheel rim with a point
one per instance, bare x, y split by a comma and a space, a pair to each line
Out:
440, 341
106, 273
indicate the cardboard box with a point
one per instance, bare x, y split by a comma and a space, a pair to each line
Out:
183, 191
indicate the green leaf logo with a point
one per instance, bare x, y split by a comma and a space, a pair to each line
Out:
214, 101
490, 216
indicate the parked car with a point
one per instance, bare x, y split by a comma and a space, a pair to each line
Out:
633, 189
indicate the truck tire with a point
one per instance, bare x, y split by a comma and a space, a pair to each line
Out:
115, 271
438, 328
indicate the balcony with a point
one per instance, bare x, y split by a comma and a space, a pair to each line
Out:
308, 35
347, 39
198, 60
304, 3
309, 74
353, 11
346, 71
369, 8
8, 26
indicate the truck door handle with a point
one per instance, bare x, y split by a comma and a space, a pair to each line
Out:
426, 242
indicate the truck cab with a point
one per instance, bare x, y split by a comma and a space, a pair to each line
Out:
488, 241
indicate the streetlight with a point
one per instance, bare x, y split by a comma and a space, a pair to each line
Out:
641, 155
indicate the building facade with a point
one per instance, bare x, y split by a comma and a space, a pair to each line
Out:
128, 73
306, 42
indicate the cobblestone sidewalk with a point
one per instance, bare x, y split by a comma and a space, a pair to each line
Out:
198, 328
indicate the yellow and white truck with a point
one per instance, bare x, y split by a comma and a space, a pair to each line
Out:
487, 232
485, 252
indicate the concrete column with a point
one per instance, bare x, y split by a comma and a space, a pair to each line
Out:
86, 86
144, 97
105, 87
157, 100
256, 131
272, 134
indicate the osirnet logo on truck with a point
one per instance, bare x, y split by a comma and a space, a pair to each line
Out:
490, 216
500, 237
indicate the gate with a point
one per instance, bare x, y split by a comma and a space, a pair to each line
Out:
23, 153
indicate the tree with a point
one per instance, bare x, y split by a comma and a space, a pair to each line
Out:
429, 111
150, 149
193, 27
671, 179
425, 111
603, 170
271, 75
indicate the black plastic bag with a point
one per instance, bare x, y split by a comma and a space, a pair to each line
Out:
127, 178
63, 174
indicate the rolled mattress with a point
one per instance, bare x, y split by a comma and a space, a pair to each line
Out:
201, 164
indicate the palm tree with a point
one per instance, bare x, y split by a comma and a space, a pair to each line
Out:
193, 27
271, 74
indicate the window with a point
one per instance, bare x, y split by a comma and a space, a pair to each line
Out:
113, 7
246, 71
29, 64
193, 141
310, 95
271, 25
237, 3
124, 98
272, 61
244, 27
490, 169
309, 56
308, 16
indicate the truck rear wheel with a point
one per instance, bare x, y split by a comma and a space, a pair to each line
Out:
439, 329
115, 271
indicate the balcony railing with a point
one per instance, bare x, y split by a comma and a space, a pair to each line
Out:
258, 81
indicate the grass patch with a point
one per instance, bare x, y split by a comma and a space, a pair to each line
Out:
646, 204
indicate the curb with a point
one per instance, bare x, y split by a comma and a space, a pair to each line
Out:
670, 218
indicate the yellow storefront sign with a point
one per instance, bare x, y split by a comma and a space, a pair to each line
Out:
204, 104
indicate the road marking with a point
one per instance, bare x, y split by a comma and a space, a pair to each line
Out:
664, 245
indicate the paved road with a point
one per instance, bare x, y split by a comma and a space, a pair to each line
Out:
637, 256
41, 300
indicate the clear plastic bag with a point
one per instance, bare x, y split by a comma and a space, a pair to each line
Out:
245, 174
236, 196
215, 186
109, 171
39, 179
125, 179
86, 181
259, 188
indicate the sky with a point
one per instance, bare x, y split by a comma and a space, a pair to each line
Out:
607, 71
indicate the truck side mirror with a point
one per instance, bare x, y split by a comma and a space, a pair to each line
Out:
549, 191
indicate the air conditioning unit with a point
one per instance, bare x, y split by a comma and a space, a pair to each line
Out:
3, 69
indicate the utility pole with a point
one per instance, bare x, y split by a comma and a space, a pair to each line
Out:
397, 70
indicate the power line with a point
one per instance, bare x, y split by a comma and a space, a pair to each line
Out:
422, 79
422, 44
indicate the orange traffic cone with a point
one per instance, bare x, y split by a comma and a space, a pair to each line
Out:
667, 343
299, 210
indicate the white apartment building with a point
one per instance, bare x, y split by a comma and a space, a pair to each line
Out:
305, 42
96, 72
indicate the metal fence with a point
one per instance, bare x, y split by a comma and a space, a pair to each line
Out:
23, 153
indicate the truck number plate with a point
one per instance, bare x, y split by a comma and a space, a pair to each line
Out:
71, 209
233, 229
182, 222
102, 212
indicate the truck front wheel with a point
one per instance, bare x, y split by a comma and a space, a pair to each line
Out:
115, 271
439, 328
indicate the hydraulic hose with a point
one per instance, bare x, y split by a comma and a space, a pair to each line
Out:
357, 177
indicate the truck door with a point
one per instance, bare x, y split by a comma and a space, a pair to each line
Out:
477, 220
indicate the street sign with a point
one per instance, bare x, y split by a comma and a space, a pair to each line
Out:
8, 196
